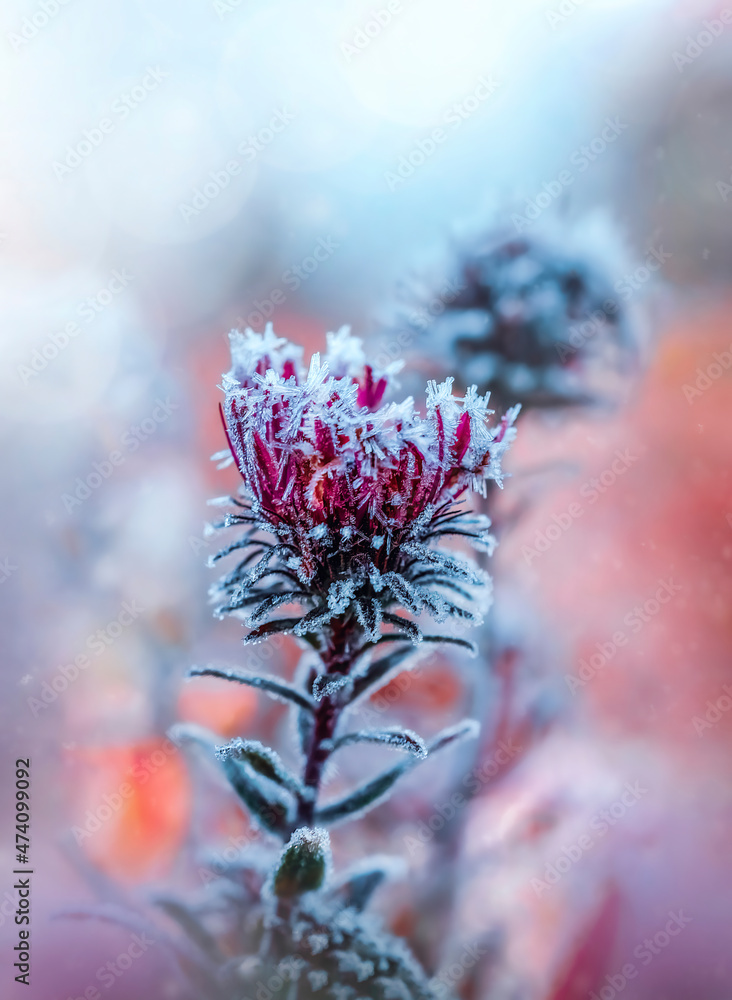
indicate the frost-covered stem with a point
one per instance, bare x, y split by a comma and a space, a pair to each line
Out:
336, 658
326, 718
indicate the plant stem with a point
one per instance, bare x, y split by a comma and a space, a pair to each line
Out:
337, 658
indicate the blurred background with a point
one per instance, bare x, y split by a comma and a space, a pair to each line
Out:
172, 171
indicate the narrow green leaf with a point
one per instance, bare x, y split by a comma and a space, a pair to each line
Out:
270, 685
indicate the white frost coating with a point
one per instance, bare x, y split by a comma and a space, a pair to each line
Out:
249, 350
350, 962
220, 501
401, 739
340, 992
253, 752
393, 867
468, 729
290, 968
318, 978
340, 594
394, 990
318, 943
328, 685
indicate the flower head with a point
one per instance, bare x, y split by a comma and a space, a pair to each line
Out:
529, 314
355, 491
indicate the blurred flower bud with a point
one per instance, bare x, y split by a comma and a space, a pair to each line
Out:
537, 316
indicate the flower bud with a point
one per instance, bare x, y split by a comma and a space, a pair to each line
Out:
303, 864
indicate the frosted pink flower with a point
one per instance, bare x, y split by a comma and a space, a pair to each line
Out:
356, 492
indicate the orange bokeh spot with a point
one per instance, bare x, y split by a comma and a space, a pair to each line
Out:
132, 807
224, 708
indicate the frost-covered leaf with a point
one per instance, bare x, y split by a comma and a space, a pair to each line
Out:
358, 883
379, 670
279, 625
468, 729
452, 641
272, 601
375, 791
329, 685
263, 760
191, 963
258, 794
314, 620
189, 732
429, 578
241, 543
270, 685
406, 627
369, 612
449, 565
400, 739
404, 591
187, 919
364, 798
